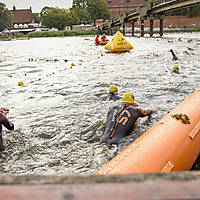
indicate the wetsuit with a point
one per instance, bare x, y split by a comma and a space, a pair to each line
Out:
10, 126
173, 54
110, 97
120, 121
175, 71
97, 40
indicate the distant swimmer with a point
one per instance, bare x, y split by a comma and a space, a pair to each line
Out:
121, 119
4, 121
176, 69
173, 54
113, 91
190, 49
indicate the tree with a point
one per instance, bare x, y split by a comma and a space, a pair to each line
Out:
75, 18
44, 10
36, 17
59, 18
83, 15
6, 17
97, 10
79, 4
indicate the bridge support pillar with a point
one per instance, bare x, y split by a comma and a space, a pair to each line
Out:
142, 28
151, 27
133, 28
124, 28
110, 31
161, 27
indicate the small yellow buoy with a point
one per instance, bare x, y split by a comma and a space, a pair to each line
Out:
155, 54
101, 54
72, 64
20, 83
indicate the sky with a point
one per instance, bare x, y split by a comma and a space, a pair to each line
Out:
36, 5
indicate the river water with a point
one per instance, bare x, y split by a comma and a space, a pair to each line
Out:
58, 112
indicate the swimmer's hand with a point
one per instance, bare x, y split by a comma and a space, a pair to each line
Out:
150, 111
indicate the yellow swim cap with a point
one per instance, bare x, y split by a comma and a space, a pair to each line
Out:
113, 89
20, 83
176, 68
128, 97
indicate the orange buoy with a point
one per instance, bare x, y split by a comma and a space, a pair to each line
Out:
172, 144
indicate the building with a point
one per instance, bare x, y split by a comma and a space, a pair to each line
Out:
22, 16
118, 7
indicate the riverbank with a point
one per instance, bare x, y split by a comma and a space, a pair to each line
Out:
51, 34
91, 32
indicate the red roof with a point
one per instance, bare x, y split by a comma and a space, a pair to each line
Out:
22, 16
124, 3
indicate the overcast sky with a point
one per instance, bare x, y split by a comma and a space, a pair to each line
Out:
36, 5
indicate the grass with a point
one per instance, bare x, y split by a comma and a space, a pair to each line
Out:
61, 33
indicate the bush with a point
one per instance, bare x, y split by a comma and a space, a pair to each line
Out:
62, 33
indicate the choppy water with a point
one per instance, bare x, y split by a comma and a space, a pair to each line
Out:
58, 114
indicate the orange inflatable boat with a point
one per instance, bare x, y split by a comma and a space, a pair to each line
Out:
172, 144
102, 43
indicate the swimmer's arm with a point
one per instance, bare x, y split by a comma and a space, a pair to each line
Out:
4, 121
146, 112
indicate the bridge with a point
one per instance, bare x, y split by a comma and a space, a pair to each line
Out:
151, 11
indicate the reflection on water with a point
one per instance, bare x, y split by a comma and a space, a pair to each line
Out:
58, 114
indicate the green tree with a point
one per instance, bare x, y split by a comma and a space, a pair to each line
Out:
44, 10
36, 17
74, 16
97, 9
6, 17
59, 18
83, 15
79, 4
55, 18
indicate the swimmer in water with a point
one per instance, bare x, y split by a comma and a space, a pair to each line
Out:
4, 121
121, 119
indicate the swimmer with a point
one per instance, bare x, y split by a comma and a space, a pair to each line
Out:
121, 119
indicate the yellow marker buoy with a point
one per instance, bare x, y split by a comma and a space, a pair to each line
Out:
20, 83
72, 64
118, 44
155, 54
101, 54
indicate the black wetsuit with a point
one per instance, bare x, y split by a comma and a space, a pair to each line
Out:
120, 121
110, 97
175, 71
173, 54
10, 126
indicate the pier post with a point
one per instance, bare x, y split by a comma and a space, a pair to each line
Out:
142, 27
133, 27
110, 31
161, 27
151, 27
124, 28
